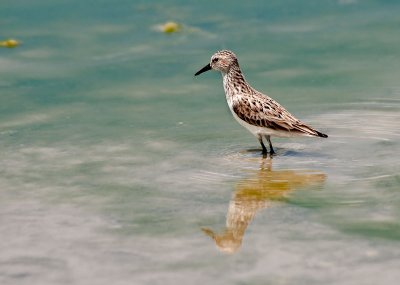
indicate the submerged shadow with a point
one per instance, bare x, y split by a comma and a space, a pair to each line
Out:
257, 152
258, 191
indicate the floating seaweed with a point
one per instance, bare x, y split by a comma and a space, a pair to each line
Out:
10, 43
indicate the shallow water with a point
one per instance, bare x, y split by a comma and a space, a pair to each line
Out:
119, 167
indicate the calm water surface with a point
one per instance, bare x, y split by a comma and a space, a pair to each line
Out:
117, 166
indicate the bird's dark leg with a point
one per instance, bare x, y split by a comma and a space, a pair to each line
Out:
264, 149
271, 149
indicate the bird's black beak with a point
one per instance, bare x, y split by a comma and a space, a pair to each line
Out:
204, 69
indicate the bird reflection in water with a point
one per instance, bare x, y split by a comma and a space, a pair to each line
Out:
255, 193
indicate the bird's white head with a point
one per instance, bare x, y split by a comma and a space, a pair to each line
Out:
222, 61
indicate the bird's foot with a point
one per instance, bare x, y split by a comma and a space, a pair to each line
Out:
264, 151
272, 151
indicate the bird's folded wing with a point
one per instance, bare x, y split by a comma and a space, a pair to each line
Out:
267, 113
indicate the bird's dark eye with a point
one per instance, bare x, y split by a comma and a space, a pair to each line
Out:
215, 59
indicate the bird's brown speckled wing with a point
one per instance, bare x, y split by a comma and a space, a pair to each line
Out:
262, 111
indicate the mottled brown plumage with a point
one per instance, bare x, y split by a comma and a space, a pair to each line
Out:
257, 112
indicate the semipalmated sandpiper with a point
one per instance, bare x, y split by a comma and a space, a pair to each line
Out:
260, 114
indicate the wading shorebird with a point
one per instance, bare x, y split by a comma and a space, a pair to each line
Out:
260, 114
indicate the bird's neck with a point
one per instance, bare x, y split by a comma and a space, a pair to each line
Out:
235, 83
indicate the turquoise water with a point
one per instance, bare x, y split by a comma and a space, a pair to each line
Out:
119, 167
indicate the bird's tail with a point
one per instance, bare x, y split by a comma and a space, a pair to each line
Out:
321, 134
308, 131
